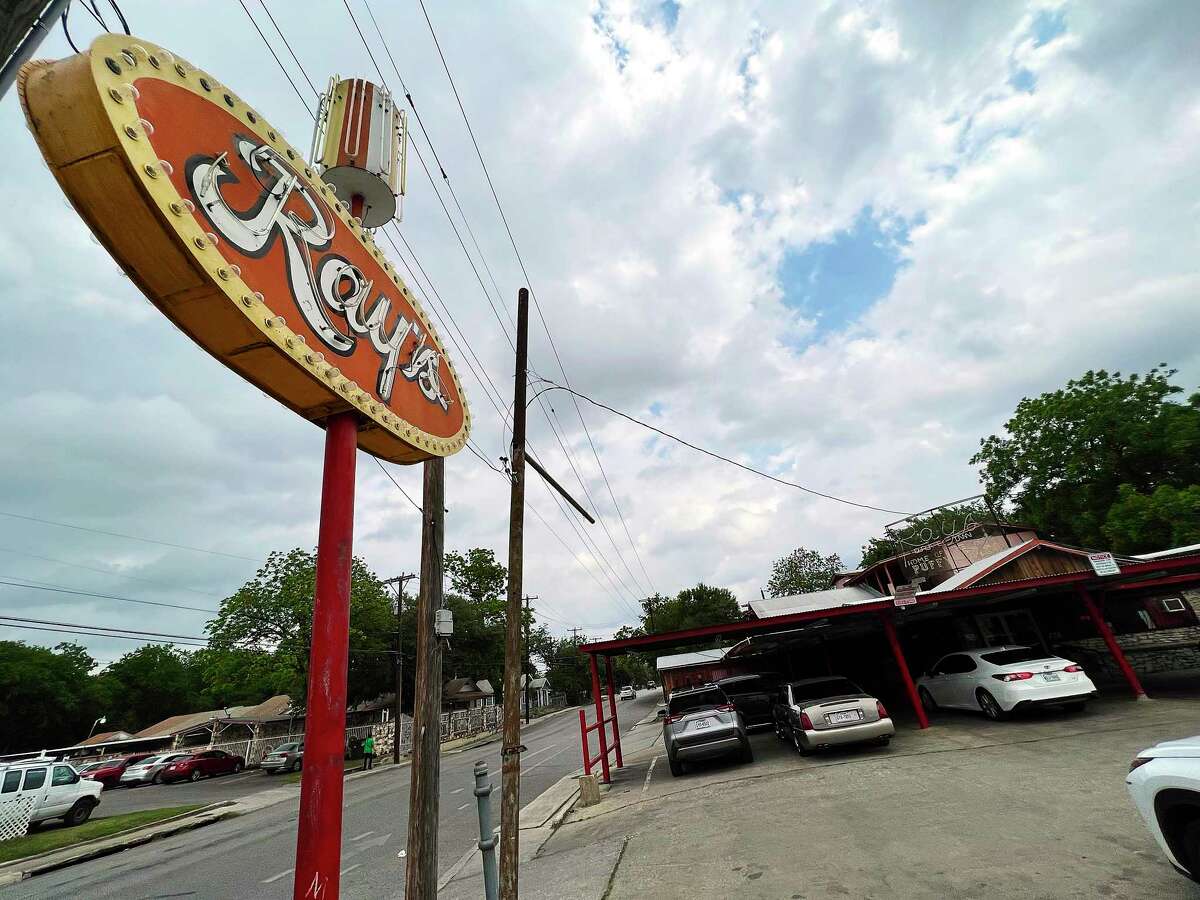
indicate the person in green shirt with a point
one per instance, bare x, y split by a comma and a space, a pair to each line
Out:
368, 753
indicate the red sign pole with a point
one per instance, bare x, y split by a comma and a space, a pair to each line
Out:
319, 836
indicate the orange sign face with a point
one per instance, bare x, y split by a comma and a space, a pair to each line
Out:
232, 235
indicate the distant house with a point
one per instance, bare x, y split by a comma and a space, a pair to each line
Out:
105, 737
467, 693
538, 694
234, 723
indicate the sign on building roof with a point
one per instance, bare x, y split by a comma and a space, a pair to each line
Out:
1104, 564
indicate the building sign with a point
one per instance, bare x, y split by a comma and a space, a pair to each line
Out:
905, 595
230, 233
1104, 564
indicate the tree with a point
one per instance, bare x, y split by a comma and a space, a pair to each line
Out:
803, 571
691, 608
924, 529
148, 684
568, 672
47, 697
479, 576
1168, 517
272, 615
1068, 453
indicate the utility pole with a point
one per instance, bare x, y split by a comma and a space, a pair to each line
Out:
510, 756
398, 664
527, 667
575, 635
421, 873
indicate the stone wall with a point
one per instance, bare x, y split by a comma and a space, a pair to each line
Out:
1149, 652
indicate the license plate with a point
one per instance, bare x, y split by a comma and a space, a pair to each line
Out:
701, 723
850, 715
1050, 676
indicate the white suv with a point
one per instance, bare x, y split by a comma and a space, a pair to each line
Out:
1164, 782
56, 788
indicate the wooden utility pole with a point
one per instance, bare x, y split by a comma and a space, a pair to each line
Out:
421, 874
510, 782
398, 664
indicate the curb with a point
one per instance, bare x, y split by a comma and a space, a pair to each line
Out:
20, 869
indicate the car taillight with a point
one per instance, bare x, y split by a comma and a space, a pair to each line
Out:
728, 707
1139, 761
671, 719
879, 708
805, 722
1073, 668
1014, 676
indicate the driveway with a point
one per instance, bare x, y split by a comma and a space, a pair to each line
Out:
1034, 807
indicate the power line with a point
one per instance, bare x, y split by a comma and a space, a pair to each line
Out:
63, 562
279, 31
713, 454
278, 61
379, 463
533, 294
43, 586
128, 537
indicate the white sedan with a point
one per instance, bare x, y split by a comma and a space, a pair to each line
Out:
1164, 782
998, 680
628, 693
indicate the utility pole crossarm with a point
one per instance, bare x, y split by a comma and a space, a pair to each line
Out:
550, 480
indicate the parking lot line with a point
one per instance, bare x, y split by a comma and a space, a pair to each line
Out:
361, 836
457, 791
461, 808
282, 874
649, 772
350, 869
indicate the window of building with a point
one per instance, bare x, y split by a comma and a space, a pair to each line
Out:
1173, 604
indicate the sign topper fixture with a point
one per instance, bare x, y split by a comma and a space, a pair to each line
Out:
236, 239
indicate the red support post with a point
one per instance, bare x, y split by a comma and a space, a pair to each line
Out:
1110, 639
889, 628
612, 708
587, 752
599, 718
319, 833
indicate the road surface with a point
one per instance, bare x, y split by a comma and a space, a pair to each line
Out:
252, 856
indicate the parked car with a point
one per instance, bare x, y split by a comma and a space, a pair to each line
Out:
109, 771
57, 789
149, 770
754, 696
284, 758
817, 713
701, 723
999, 680
207, 763
1164, 782
628, 693
651, 685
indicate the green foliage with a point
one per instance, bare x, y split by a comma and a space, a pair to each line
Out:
148, 684
1168, 517
803, 571
47, 697
568, 671
271, 615
479, 576
691, 608
1068, 453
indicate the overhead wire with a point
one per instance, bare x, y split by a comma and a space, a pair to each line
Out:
58, 589
63, 562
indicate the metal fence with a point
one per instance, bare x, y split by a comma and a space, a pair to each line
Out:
454, 725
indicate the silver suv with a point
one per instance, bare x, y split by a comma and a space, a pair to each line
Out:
701, 723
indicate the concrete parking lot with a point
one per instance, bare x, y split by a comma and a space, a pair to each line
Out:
1034, 807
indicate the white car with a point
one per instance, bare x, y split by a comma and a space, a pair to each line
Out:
56, 789
628, 693
998, 680
1164, 782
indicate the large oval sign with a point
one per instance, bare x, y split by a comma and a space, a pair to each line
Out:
231, 234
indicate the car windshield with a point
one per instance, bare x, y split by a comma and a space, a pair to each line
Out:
827, 687
690, 702
149, 761
1017, 655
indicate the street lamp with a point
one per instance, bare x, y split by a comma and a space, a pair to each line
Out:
100, 721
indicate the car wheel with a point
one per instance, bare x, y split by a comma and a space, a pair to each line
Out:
1191, 849
927, 701
990, 706
78, 814
237, 767
676, 766
195, 776
157, 778
796, 743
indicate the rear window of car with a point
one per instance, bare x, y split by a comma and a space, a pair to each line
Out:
695, 700
286, 748
830, 687
1008, 657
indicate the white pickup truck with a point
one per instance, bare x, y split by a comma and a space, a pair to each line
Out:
56, 788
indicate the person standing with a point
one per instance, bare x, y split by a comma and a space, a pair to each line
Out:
368, 753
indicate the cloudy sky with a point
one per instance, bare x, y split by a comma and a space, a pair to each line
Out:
838, 241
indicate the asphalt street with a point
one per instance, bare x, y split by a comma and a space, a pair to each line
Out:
252, 856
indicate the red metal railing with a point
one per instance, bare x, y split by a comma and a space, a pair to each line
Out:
601, 729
